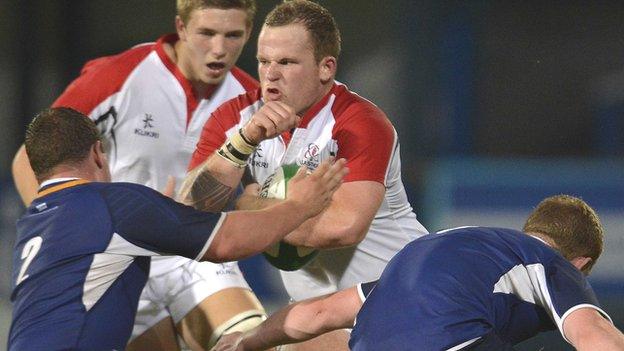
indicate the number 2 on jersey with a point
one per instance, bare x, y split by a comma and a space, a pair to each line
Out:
28, 254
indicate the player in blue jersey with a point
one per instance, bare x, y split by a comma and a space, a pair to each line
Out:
82, 253
469, 288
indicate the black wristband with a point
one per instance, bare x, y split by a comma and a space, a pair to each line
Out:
240, 131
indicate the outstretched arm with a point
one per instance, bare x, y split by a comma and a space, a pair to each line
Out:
244, 233
298, 322
210, 186
586, 329
344, 223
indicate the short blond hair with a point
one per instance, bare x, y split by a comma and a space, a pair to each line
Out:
186, 7
571, 224
316, 19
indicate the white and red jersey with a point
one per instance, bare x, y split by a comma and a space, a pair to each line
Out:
147, 113
344, 125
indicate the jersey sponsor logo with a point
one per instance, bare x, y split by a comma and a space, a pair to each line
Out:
147, 125
225, 270
255, 162
311, 156
146, 121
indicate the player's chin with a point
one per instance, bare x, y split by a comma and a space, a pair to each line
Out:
213, 79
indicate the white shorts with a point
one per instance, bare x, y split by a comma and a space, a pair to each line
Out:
177, 292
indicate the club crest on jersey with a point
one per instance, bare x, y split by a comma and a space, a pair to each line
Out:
147, 125
311, 156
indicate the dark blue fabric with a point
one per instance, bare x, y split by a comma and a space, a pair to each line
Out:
74, 225
438, 292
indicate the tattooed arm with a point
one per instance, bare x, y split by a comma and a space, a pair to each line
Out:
210, 186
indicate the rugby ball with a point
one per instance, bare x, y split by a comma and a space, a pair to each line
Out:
282, 255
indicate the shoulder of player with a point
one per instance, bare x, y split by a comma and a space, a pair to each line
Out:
360, 118
349, 105
101, 78
135, 196
233, 107
119, 65
248, 82
131, 189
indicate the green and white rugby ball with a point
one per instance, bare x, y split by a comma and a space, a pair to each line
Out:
282, 255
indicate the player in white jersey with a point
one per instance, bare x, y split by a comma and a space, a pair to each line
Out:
150, 104
301, 115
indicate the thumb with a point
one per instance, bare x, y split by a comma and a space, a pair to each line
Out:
169, 188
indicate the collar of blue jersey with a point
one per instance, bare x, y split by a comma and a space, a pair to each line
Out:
540, 239
52, 185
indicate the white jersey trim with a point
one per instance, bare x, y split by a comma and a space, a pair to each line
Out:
361, 293
463, 344
55, 180
455, 228
108, 266
520, 281
577, 307
212, 236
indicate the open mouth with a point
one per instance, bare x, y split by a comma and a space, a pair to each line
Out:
272, 94
216, 66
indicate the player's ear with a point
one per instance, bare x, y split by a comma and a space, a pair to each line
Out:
327, 68
180, 28
580, 262
97, 151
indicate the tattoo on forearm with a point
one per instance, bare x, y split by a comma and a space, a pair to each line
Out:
202, 191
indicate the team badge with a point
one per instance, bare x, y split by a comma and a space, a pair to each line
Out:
311, 156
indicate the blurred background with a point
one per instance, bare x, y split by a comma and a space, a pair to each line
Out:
497, 105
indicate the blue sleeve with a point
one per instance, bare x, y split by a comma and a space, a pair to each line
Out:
568, 287
152, 221
568, 290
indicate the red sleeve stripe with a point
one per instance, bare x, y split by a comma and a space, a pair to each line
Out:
101, 78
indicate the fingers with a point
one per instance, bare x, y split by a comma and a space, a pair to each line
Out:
329, 176
335, 176
332, 172
320, 171
271, 120
301, 173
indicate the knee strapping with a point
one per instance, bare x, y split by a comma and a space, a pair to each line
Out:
239, 323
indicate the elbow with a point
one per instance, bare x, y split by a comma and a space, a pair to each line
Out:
347, 235
308, 320
223, 251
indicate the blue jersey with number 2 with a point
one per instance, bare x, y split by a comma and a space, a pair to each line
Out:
82, 258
